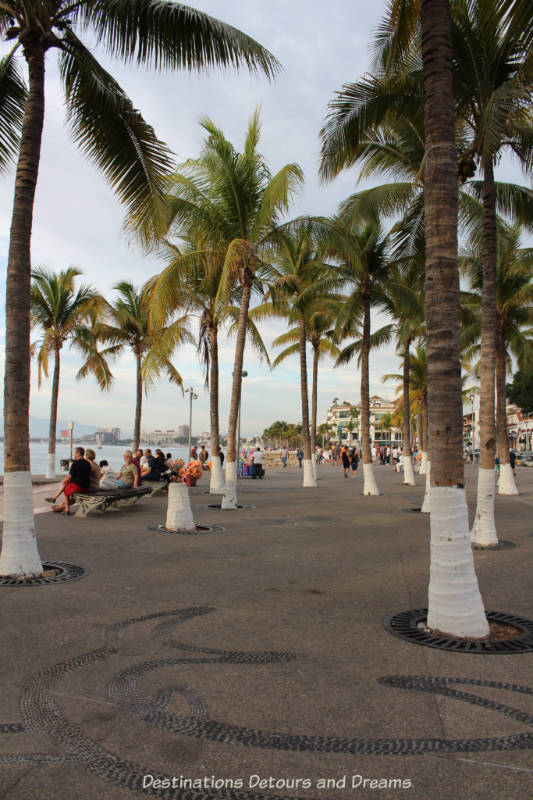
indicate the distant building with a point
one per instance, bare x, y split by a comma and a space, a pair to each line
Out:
107, 436
519, 428
340, 415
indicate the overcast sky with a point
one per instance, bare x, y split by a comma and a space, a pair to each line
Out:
78, 220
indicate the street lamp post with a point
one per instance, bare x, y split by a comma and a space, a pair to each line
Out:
192, 396
472, 397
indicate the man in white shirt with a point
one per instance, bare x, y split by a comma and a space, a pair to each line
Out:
257, 460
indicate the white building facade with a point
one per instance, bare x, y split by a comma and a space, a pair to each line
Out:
343, 416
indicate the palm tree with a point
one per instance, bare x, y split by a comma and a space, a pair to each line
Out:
514, 298
403, 299
455, 605
299, 290
494, 90
152, 348
113, 134
191, 284
361, 251
61, 312
236, 211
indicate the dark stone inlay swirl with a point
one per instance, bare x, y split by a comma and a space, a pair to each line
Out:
40, 713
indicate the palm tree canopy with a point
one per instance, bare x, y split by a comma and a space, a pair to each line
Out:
102, 118
61, 310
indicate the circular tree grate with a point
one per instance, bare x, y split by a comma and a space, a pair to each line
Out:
54, 572
410, 625
503, 544
218, 507
199, 529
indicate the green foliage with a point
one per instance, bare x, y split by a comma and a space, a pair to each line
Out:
520, 391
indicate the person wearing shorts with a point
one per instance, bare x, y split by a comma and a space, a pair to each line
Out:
76, 481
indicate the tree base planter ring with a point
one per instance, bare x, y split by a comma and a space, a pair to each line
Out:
410, 625
218, 507
54, 572
199, 529
503, 544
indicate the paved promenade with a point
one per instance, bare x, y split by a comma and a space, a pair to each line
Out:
257, 658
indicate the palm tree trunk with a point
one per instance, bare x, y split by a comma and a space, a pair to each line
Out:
408, 474
314, 405
506, 484
138, 402
484, 529
455, 604
230, 491
424, 462
308, 478
217, 478
20, 554
52, 433
370, 485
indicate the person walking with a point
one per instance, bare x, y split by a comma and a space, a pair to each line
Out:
284, 456
257, 463
345, 462
354, 460
299, 456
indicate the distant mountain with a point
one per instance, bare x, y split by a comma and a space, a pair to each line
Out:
39, 428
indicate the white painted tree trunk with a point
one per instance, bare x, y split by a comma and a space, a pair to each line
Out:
507, 484
20, 553
426, 505
454, 601
51, 466
216, 485
309, 478
179, 512
484, 528
408, 472
313, 465
370, 485
423, 463
229, 501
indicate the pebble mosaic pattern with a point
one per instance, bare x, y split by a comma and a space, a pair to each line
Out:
41, 714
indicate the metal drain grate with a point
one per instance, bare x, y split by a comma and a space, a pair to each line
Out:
503, 544
62, 574
406, 626
198, 530
218, 507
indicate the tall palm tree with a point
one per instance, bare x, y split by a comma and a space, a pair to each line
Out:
113, 134
190, 284
455, 605
514, 329
300, 288
361, 252
152, 349
403, 299
494, 99
237, 210
61, 312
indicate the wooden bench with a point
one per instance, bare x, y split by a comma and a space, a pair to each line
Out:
105, 498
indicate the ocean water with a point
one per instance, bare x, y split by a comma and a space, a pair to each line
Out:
111, 453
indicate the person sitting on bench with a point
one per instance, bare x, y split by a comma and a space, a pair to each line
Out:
128, 477
76, 481
152, 470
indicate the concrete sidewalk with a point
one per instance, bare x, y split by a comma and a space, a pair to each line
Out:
257, 658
